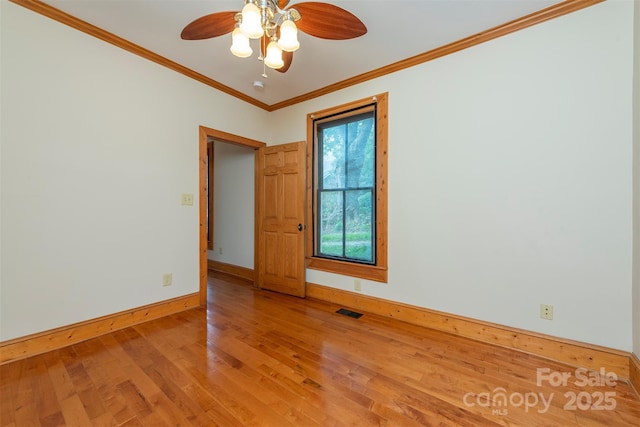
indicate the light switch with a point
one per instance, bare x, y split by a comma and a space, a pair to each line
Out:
167, 279
187, 199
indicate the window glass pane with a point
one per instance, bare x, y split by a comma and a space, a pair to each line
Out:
333, 156
360, 153
358, 227
331, 223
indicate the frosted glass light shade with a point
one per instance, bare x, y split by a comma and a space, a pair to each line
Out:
240, 44
251, 24
288, 36
274, 56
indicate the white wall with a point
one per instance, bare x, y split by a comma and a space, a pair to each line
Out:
97, 146
519, 147
514, 158
636, 181
234, 200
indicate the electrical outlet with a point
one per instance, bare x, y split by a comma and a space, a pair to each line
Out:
167, 279
357, 285
187, 199
546, 311
220, 250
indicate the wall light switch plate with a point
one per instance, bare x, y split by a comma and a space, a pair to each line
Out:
187, 199
167, 279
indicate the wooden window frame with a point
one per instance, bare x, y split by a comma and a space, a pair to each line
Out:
377, 272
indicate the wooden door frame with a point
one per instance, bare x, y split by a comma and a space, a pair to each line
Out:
205, 134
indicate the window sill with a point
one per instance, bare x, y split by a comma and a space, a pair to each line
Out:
370, 272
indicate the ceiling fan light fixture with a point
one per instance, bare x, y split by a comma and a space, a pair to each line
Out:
273, 59
251, 24
270, 20
288, 36
240, 44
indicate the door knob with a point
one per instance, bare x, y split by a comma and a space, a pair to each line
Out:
299, 227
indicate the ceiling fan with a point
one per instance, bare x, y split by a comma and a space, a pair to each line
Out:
275, 25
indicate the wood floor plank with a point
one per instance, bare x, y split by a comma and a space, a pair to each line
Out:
44, 392
264, 359
74, 413
226, 398
9, 381
58, 375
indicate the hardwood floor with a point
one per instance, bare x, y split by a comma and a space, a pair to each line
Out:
264, 359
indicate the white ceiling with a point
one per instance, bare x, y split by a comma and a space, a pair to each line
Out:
397, 29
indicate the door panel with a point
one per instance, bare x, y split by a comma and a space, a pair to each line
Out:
280, 213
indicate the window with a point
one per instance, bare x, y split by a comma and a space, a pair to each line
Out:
347, 200
345, 187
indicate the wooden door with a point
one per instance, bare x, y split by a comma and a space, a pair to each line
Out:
280, 209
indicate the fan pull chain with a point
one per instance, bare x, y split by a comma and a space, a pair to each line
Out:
264, 67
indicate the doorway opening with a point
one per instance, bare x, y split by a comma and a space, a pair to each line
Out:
207, 139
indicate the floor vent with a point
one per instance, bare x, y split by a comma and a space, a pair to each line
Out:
349, 313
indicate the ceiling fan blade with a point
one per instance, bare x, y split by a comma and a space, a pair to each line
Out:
209, 26
327, 21
287, 57
283, 3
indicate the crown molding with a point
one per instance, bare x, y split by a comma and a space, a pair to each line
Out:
551, 12
540, 16
90, 29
